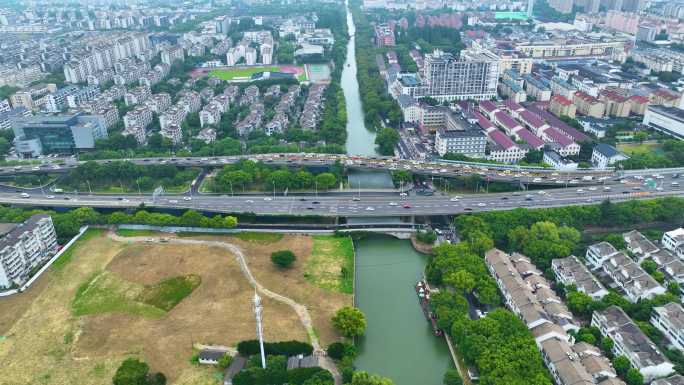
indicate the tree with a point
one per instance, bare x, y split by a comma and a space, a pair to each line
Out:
349, 321
339, 350
607, 345
386, 140
131, 372
428, 236
364, 378
616, 240
225, 361
283, 258
326, 180
621, 365
649, 266
451, 377
461, 280
579, 303
634, 377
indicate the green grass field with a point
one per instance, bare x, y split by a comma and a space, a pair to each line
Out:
639, 148
137, 233
231, 74
66, 257
108, 293
331, 265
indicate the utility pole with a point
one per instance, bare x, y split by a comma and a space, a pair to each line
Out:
260, 331
90, 190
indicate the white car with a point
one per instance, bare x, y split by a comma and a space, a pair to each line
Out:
455, 198
50, 196
592, 188
173, 201
607, 188
24, 195
403, 194
268, 199
249, 201
541, 192
187, 198
580, 191
481, 204
393, 204
370, 208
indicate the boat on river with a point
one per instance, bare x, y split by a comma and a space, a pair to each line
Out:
423, 292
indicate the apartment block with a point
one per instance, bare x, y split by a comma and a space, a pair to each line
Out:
473, 75
570, 271
470, 143
669, 319
25, 246
632, 343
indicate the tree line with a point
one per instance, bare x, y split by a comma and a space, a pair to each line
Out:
248, 175
127, 175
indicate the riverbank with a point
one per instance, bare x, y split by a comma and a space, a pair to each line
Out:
421, 247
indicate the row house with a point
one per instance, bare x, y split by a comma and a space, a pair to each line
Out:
671, 265
639, 245
570, 271
674, 241
669, 319
562, 143
312, 112
502, 149
631, 342
252, 121
636, 283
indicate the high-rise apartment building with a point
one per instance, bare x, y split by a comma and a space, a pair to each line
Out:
473, 75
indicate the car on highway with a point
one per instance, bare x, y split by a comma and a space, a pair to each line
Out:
50, 196
268, 199
607, 188
675, 183
187, 198
393, 203
580, 191
24, 195
482, 204
249, 201
173, 201
356, 199
403, 194
370, 208
315, 202
407, 206
455, 198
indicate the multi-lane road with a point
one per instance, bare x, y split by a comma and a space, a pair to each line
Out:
508, 173
379, 205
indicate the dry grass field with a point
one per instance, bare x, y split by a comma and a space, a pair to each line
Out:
116, 299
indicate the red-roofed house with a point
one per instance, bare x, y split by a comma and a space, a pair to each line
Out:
488, 108
616, 105
588, 105
484, 122
639, 104
562, 106
552, 120
663, 97
513, 107
532, 140
503, 149
566, 146
532, 121
506, 121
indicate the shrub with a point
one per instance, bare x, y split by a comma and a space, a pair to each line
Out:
427, 236
285, 348
340, 350
283, 258
131, 372
350, 321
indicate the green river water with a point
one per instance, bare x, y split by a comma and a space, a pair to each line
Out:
399, 342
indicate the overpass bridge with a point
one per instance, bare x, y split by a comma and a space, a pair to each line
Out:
435, 168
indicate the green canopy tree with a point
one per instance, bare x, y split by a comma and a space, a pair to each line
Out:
349, 321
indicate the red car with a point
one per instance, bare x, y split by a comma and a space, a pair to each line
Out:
407, 206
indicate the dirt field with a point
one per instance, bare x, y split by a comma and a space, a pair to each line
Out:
48, 345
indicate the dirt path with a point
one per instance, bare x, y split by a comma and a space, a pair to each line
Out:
301, 310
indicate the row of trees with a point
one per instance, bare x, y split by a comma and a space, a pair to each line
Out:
672, 155
67, 224
377, 105
127, 175
247, 174
276, 373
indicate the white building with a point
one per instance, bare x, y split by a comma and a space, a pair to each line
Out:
668, 120
674, 241
570, 271
469, 142
553, 159
632, 343
472, 76
604, 155
25, 246
669, 319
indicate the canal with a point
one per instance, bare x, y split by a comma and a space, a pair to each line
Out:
360, 141
399, 342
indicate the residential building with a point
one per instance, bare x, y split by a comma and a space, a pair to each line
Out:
632, 343
616, 105
469, 142
410, 108
629, 276
174, 132
170, 55
668, 120
474, 75
560, 142
512, 90
669, 319
677, 379
570, 271
537, 88
671, 265
25, 246
674, 241
588, 105
562, 106
502, 149
597, 254
563, 88
604, 155
137, 95
639, 245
